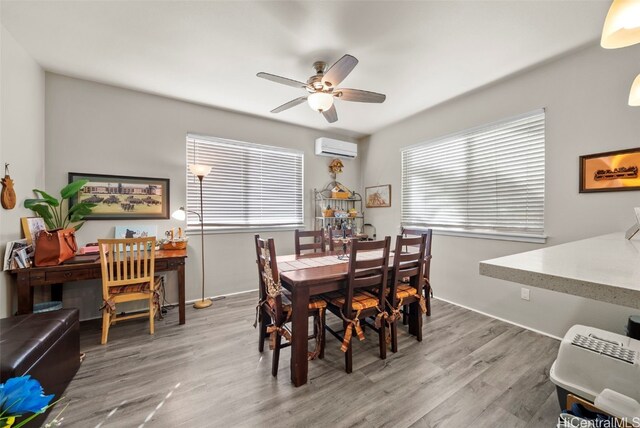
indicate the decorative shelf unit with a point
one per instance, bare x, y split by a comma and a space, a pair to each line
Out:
324, 198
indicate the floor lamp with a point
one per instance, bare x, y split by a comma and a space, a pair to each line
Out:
201, 172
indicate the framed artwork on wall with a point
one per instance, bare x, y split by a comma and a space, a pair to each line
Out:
610, 171
120, 197
378, 196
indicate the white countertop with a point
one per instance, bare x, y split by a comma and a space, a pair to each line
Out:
605, 268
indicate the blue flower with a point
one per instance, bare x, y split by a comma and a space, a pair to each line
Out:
20, 395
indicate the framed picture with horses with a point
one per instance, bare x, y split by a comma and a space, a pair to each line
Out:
119, 197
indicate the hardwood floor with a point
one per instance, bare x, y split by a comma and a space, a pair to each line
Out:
469, 371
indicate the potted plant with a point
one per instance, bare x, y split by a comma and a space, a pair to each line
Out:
53, 210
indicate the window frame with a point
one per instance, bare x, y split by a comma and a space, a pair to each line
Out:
482, 233
194, 228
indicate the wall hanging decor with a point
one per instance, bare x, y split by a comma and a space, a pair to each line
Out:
122, 197
610, 171
8, 195
378, 196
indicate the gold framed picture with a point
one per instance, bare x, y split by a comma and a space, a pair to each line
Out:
378, 196
119, 197
31, 226
610, 171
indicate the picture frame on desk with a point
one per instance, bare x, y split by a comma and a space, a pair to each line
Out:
119, 197
31, 227
614, 171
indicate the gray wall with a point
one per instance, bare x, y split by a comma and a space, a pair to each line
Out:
585, 96
91, 127
21, 145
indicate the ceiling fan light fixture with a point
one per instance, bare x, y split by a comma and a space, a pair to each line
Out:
634, 95
320, 101
622, 25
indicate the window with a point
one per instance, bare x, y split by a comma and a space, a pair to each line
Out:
488, 180
249, 185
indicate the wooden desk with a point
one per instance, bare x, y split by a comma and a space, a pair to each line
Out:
27, 279
303, 283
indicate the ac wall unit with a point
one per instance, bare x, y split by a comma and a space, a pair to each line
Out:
336, 148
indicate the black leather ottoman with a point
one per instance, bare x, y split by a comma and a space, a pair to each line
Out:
45, 346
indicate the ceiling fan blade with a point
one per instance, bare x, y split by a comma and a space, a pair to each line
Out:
331, 115
282, 80
339, 71
289, 104
359, 96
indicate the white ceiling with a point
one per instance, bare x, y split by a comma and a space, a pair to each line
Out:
417, 53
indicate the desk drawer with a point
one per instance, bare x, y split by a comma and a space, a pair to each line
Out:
69, 275
161, 265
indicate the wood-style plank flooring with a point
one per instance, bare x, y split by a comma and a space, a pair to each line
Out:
469, 371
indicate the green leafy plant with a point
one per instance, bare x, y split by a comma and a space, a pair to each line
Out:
52, 210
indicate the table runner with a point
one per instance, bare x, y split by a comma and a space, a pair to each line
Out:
312, 262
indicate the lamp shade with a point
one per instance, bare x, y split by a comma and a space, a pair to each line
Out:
634, 95
199, 170
179, 214
622, 25
320, 101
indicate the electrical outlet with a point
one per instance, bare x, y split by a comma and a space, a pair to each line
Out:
524, 294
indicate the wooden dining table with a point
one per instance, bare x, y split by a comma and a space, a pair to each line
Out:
305, 276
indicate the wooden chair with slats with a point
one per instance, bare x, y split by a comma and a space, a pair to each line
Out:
274, 308
333, 234
426, 270
317, 245
127, 275
406, 286
366, 271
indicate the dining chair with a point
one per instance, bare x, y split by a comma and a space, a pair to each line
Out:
368, 268
406, 285
274, 308
426, 270
128, 275
317, 245
337, 233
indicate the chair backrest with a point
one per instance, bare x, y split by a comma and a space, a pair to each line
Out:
127, 261
268, 275
368, 267
317, 245
408, 264
337, 233
406, 231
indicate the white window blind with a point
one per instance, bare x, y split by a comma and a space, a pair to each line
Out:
249, 184
490, 179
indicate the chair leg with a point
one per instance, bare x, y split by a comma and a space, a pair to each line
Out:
262, 327
394, 336
323, 317
405, 314
348, 356
276, 356
106, 322
151, 315
382, 341
427, 297
415, 321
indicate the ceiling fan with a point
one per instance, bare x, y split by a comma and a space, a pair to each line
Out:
322, 88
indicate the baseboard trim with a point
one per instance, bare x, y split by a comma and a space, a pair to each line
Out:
500, 318
222, 296
187, 302
219, 297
